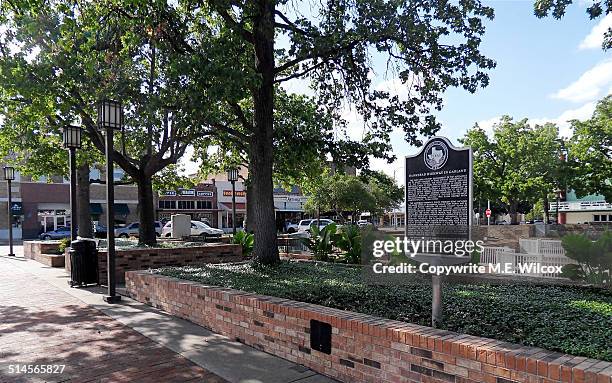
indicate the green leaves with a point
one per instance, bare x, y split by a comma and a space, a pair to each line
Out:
594, 258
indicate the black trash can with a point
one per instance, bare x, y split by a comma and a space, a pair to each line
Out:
83, 263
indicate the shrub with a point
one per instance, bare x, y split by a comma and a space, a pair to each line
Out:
594, 258
321, 241
349, 241
246, 240
64, 243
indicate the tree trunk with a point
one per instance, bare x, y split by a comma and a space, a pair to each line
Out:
512, 211
250, 199
83, 214
261, 158
146, 211
546, 212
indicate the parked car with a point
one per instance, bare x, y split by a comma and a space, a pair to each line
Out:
306, 224
292, 226
363, 223
99, 231
502, 223
197, 229
131, 230
59, 233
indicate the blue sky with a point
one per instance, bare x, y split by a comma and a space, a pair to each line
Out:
547, 70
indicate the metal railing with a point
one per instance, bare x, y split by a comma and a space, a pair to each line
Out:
541, 246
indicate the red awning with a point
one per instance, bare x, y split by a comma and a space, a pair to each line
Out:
239, 205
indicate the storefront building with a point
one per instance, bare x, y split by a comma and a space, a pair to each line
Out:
225, 204
44, 205
200, 203
588, 209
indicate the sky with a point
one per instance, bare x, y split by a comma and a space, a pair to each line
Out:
547, 70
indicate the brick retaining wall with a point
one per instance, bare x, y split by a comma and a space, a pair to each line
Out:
45, 252
152, 258
364, 348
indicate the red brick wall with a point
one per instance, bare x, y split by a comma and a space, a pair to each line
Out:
364, 348
143, 259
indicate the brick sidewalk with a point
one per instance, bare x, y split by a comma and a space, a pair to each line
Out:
42, 325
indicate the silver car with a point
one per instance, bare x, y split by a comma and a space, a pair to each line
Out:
131, 230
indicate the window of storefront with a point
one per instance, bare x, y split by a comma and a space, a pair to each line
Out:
167, 205
186, 205
201, 205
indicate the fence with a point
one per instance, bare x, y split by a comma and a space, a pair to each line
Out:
517, 263
490, 254
541, 246
291, 244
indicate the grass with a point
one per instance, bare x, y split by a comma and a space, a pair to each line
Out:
569, 319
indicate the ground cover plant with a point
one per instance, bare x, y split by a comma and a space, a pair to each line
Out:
570, 319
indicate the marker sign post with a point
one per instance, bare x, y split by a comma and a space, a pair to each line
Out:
439, 204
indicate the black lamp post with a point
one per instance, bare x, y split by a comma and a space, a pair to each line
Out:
232, 176
110, 118
72, 142
9, 175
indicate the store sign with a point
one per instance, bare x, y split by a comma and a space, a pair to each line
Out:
239, 193
205, 194
169, 193
188, 192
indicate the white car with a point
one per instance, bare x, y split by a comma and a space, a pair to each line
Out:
306, 224
197, 229
133, 228
363, 223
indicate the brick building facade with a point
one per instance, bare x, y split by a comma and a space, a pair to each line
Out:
45, 205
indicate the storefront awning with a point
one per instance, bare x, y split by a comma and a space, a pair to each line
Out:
95, 208
17, 208
122, 209
228, 206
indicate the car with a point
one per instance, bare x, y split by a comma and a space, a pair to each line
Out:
292, 227
306, 224
132, 229
502, 223
99, 230
303, 225
59, 233
197, 229
363, 223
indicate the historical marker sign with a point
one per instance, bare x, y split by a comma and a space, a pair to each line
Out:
439, 191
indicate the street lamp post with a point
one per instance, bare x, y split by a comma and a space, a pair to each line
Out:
232, 176
9, 175
110, 118
72, 142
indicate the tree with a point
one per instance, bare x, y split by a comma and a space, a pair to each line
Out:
518, 165
35, 149
61, 58
387, 193
342, 194
597, 8
589, 153
332, 47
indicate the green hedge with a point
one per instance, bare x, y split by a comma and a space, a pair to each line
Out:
573, 320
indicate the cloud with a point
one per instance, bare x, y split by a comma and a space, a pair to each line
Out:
562, 121
590, 84
595, 38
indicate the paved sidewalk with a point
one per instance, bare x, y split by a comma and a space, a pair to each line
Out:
131, 330
41, 325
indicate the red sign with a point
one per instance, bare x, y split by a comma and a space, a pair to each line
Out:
239, 193
488, 213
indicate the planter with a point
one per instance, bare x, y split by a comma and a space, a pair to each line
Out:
363, 348
45, 252
152, 258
